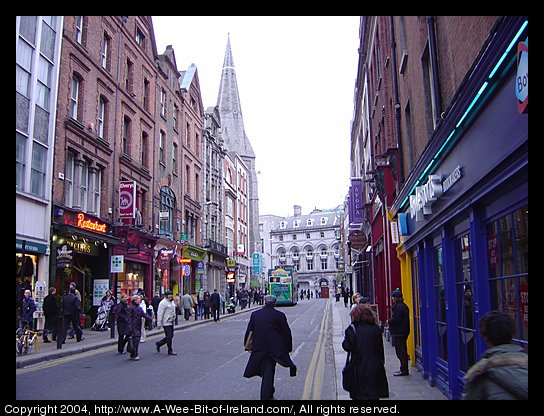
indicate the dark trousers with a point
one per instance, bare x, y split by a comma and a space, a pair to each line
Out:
50, 327
399, 342
134, 345
72, 319
186, 314
122, 341
215, 313
168, 335
267, 382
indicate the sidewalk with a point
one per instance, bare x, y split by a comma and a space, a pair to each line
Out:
413, 387
98, 339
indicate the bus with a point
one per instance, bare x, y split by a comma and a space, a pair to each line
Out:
283, 284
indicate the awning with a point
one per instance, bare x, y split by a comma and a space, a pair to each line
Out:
193, 253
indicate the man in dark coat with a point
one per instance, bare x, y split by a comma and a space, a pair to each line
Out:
215, 301
50, 311
272, 343
399, 327
71, 308
121, 311
27, 309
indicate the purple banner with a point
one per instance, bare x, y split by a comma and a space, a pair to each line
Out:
355, 202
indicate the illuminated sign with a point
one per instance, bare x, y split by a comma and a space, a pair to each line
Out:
89, 224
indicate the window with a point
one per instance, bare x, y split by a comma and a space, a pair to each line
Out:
508, 269
294, 236
283, 225
69, 179
175, 116
127, 125
174, 156
101, 116
83, 185
323, 221
440, 296
79, 29
322, 234
296, 223
38, 168
417, 306
187, 179
308, 235
20, 161
43, 87
146, 94
143, 149
163, 102
309, 222
464, 291
197, 187
188, 135
309, 263
140, 38
94, 191
74, 97
167, 204
162, 144
128, 75
106, 52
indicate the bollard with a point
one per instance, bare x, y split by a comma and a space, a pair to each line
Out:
60, 331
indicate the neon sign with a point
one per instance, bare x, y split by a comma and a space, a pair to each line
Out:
88, 224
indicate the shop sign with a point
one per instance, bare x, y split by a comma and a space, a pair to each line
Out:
522, 77
100, 286
127, 199
117, 264
200, 267
80, 220
64, 256
428, 194
230, 277
31, 247
231, 263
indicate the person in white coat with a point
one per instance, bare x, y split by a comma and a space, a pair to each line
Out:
166, 316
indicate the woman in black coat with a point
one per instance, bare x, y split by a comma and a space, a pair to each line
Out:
366, 347
121, 311
134, 325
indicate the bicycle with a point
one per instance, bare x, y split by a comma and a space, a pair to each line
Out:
24, 340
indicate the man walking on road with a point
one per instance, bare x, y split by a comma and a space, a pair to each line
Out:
166, 315
399, 327
215, 301
272, 343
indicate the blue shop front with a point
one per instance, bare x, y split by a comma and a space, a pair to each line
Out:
465, 221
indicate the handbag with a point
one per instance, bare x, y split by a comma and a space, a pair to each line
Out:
349, 372
248, 346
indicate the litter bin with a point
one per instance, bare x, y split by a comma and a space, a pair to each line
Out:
83, 320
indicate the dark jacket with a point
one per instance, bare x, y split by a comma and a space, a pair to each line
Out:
215, 300
71, 306
271, 338
50, 306
121, 315
134, 320
399, 324
366, 347
501, 374
28, 308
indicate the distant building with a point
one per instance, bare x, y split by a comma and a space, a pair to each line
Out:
310, 243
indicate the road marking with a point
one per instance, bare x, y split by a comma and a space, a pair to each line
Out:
314, 377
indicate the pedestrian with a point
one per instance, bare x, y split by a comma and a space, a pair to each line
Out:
271, 343
177, 303
107, 303
71, 309
346, 296
134, 326
200, 300
215, 302
50, 311
187, 302
194, 299
28, 309
78, 295
366, 348
502, 373
355, 298
155, 304
143, 306
121, 310
399, 327
207, 304
166, 317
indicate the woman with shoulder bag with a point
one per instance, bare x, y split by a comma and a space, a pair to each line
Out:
365, 345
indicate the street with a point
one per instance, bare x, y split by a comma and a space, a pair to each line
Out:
209, 365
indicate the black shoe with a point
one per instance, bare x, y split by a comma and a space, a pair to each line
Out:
46, 340
293, 371
158, 347
400, 374
82, 339
172, 353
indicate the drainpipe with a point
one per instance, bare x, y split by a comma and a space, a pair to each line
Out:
397, 104
433, 53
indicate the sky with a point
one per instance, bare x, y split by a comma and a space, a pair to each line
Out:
296, 78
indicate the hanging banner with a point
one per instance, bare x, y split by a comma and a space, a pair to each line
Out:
356, 203
127, 199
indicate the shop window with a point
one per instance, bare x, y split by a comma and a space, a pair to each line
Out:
440, 296
508, 269
465, 294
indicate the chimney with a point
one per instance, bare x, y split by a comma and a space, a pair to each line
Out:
297, 209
